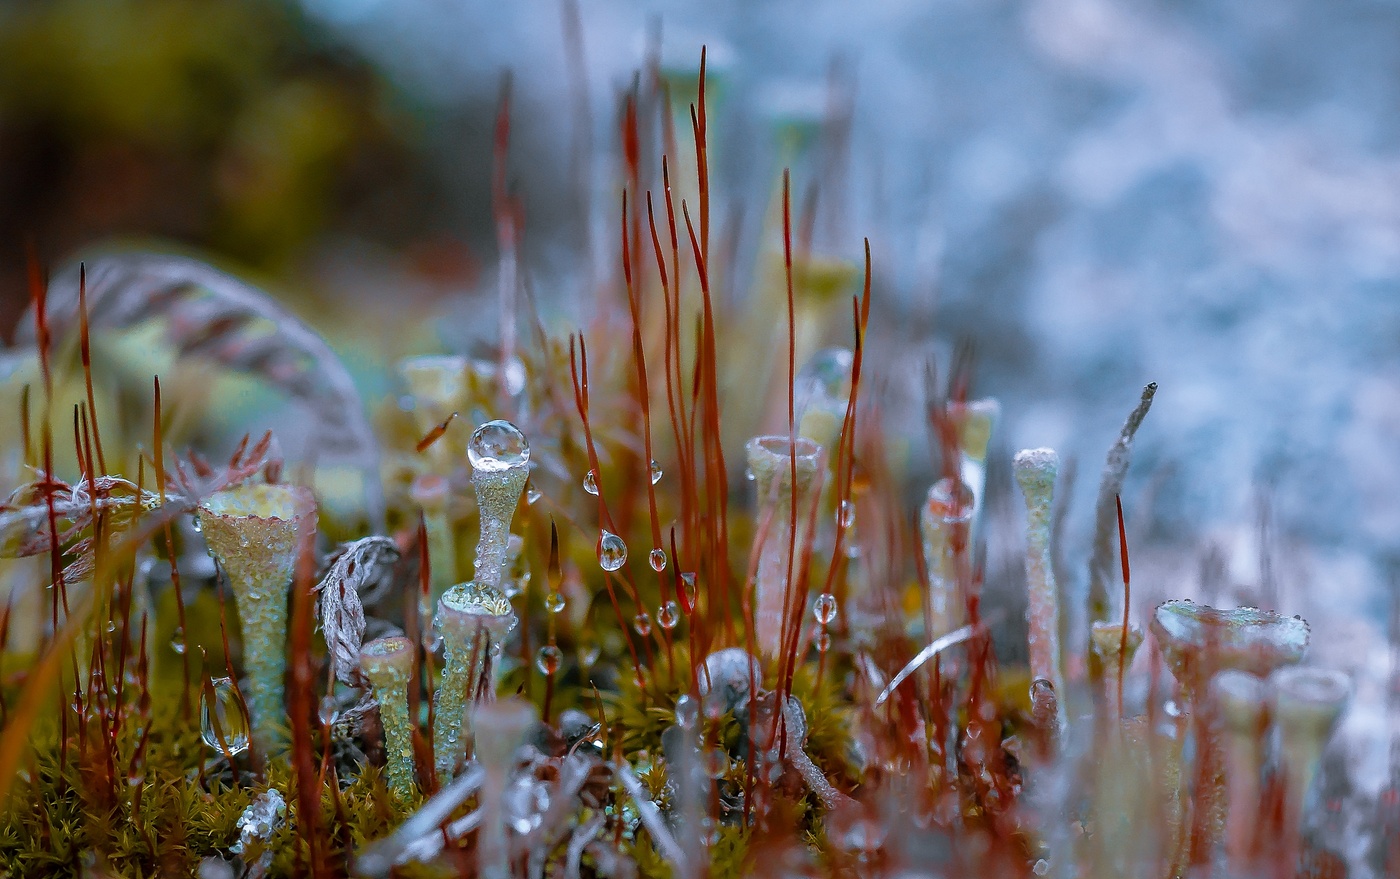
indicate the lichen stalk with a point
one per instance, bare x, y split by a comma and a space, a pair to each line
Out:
500, 459
1240, 700
1035, 473
771, 459
976, 420
430, 492
255, 531
1307, 702
503, 729
388, 663
474, 619
945, 524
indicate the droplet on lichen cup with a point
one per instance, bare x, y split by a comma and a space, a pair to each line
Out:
500, 459
255, 532
1197, 640
388, 663
473, 619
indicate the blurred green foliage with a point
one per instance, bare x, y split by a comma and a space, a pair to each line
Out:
226, 124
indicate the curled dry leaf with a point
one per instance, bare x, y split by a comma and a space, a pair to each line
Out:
362, 566
209, 313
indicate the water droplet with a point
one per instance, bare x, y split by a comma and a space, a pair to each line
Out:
198, 525
846, 514
329, 712
533, 495
1172, 708
687, 712
554, 602
642, 624
111, 626
716, 762
851, 546
824, 608
225, 718
823, 641
655, 472
1041, 867
612, 552
667, 615
657, 560
496, 446
749, 474
590, 483
178, 642
688, 587
548, 659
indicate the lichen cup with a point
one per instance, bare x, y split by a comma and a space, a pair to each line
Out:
255, 532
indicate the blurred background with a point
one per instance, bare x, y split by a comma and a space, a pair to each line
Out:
1094, 193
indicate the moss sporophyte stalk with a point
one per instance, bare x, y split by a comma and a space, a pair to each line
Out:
871, 660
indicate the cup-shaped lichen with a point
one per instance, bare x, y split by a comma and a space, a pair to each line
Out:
1240, 700
944, 523
1036, 470
1197, 640
255, 532
474, 619
771, 460
1307, 703
500, 459
438, 386
388, 663
823, 389
430, 492
503, 729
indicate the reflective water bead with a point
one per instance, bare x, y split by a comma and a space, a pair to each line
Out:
823, 641
667, 615
612, 551
687, 712
655, 472
657, 560
846, 514
225, 717
688, 586
824, 608
533, 495
642, 624
590, 483
329, 712
496, 446
548, 659
554, 602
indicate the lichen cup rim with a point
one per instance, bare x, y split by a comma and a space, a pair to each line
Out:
1247, 638
782, 446
284, 502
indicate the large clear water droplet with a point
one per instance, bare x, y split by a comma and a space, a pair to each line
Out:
496, 446
657, 560
824, 608
642, 624
590, 483
655, 472
225, 717
688, 588
612, 551
554, 602
667, 615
